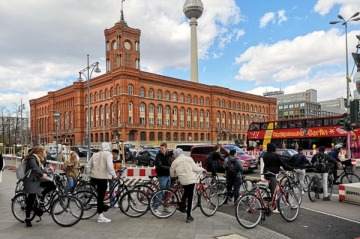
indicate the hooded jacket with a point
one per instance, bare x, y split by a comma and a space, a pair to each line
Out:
101, 163
240, 167
272, 160
184, 167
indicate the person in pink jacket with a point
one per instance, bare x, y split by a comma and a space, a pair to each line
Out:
184, 167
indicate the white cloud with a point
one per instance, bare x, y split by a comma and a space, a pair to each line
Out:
268, 17
44, 43
293, 59
281, 16
347, 7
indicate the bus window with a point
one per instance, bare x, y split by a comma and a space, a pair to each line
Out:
327, 122
318, 123
264, 126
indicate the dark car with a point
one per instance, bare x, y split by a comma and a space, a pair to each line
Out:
146, 157
80, 150
285, 155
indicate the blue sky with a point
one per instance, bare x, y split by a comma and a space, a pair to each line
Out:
249, 46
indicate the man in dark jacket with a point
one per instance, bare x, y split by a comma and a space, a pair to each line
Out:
236, 181
334, 154
300, 162
162, 168
215, 157
272, 163
317, 160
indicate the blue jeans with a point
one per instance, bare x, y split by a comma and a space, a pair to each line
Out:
70, 185
112, 196
164, 182
236, 183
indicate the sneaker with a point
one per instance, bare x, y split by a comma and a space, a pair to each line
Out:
115, 205
275, 211
336, 183
167, 210
302, 192
104, 219
326, 199
157, 212
28, 223
189, 219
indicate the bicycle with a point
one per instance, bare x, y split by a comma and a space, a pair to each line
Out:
65, 210
288, 182
316, 187
348, 175
205, 197
252, 207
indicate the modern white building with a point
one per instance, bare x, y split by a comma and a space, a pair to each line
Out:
305, 105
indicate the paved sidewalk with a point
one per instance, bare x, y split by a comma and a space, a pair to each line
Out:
218, 226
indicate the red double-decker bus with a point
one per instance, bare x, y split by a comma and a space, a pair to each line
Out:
303, 132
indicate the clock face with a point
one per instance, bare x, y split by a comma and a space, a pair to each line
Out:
127, 45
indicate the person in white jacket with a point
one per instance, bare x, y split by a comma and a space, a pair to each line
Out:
184, 167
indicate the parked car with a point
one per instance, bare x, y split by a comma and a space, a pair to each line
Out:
80, 150
198, 153
285, 155
146, 157
187, 147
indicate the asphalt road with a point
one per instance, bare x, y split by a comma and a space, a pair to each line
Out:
318, 219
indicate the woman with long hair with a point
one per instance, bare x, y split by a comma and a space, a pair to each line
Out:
32, 181
70, 167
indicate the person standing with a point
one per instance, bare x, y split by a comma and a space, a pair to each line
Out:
334, 154
72, 172
117, 162
184, 167
2, 166
300, 162
99, 167
32, 181
215, 157
162, 168
320, 161
272, 163
233, 179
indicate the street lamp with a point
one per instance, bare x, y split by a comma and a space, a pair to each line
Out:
56, 120
93, 67
345, 23
21, 108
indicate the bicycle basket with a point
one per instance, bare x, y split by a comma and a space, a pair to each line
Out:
350, 169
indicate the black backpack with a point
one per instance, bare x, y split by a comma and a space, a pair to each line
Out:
232, 168
209, 159
320, 163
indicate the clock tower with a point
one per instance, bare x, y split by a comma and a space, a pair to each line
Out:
122, 45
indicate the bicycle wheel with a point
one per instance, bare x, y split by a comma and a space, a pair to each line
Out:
19, 187
288, 205
222, 192
18, 207
66, 210
306, 183
86, 186
209, 202
209, 179
330, 186
89, 202
349, 178
195, 201
165, 201
48, 198
134, 203
313, 191
246, 186
264, 192
249, 210
145, 189
296, 189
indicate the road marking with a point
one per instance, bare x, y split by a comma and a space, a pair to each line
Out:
329, 214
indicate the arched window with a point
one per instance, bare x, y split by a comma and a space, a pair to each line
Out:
151, 93
102, 116
142, 92
167, 95
142, 113
195, 100
218, 119
223, 103
107, 115
181, 97
218, 102
174, 96
167, 115
189, 99
130, 89
118, 89
159, 115
201, 100
151, 114
159, 95
106, 94
174, 118
101, 95
130, 108
207, 101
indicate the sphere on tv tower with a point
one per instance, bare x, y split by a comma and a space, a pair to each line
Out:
193, 8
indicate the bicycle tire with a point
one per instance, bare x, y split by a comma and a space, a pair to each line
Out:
164, 198
330, 186
89, 202
313, 191
209, 202
86, 186
48, 198
246, 186
288, 205
209, 179
307, 180
264, 192
349, 178
66, 210
144, 188
18, 207
249, 210
19, 187
134, 203
222, 192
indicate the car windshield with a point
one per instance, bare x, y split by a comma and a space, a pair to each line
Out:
153, 152
292, 152
83, 147
238, 150
130, 146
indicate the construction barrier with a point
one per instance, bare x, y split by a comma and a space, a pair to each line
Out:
349, 193
136, 172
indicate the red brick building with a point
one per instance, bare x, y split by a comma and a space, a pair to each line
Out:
142, 107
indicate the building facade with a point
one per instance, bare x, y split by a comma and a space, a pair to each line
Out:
305, 105
144, 108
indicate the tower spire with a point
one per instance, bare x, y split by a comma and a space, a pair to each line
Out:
122, 18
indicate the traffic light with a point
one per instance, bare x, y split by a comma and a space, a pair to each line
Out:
342, 123
345, 123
